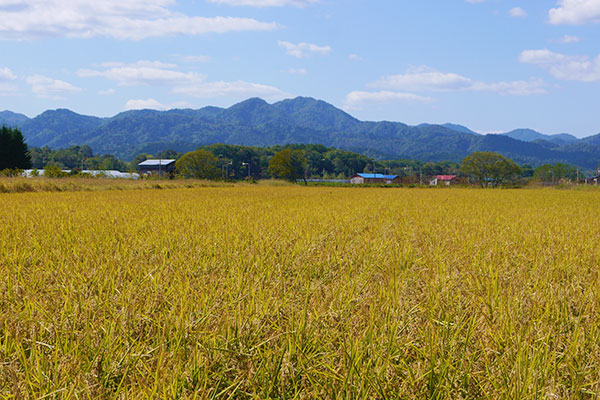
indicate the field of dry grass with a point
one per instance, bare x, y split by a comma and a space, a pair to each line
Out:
292, 292
77, 184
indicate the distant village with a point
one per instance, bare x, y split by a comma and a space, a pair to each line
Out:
303, 163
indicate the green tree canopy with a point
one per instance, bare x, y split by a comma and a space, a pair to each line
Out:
14, 153
554, 173
288, 164
490, 169
199, 164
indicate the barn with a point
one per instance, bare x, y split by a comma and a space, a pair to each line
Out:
160, 167
362, 178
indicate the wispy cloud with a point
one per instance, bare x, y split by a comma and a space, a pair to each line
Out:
569, 39
7, 87
152, 104
357, 99
128, 20
43, 86
107, 92
151, 73
266, 3
297, 71
193, 84
303, 50
575, 12
354, 57
197, 59
426, 79
517, 12
564, 67
237, 89
6, 75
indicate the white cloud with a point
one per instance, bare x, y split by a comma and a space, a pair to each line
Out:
121, 19
575, 12
564, 67
516, 88
6, 75
266, 3
8, 89
149, 104
425, 79
156, 73
358, 98
297, 71
543, 57
152, 104
302, 50
517, 12
354, 57
238, 89
151, 73
43, 86
570, 39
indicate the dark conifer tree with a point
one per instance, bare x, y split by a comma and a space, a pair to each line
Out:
14, 153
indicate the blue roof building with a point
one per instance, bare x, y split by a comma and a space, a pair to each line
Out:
362, 178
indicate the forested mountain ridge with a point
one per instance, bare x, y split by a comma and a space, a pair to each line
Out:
255, 122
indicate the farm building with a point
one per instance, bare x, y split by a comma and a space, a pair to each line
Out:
593, 180
362, 178
159, 167
443, 180
104, 173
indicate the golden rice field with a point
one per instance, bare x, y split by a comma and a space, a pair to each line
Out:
255, 292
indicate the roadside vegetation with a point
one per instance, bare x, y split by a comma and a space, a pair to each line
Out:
83, 184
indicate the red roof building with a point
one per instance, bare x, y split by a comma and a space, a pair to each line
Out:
443, 180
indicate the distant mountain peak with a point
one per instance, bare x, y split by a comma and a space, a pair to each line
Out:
12, 119
530, 135
251, 102
452, 127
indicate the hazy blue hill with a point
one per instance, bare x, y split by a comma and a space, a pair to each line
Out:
453, 127
59, 128
529, 135
525, 135
460, 128
12, 119
564, 137
300, 120
316, 114
129, 131
546, 144
208, 114
253, 111
534, 153
593, 140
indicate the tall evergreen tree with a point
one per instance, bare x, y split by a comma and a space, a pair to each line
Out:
14, 153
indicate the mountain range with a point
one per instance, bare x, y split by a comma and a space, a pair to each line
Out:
255, 122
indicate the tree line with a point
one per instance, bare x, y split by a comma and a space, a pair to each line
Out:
291, 162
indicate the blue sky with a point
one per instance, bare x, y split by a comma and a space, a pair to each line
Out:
492, 65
